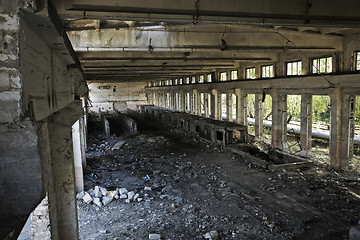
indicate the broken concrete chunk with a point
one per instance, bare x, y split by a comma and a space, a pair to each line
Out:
103, 191
163, 196
128, 201
97, 201
97, 192
123, 191
139, 199
123, 196
87, 198
130, 195
154, 236
147, 188
80, 195
118, 145
106, 200
213, 235
136, 196
112, 194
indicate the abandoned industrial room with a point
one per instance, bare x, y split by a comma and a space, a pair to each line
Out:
188, 119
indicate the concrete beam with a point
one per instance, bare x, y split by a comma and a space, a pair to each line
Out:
299, 12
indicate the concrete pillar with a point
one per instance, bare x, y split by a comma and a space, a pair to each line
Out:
172, 99
241, 107
76, 138
352, 125
206, 102
306, 124
196, 102
278, 136
229, 105
339, 129
215, 104
182, 100
258, 116
156, 100
191, 102
62, 200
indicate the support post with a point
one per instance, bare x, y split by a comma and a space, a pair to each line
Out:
339, 129
241, 106
215, 104
206, 103
182, 101
278, 136
258, 116
196, 102
306, 124
62, 200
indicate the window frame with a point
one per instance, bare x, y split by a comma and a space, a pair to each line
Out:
237, 74
268, 65
246, 72
356, 59
297, 66
223, 74
318, 65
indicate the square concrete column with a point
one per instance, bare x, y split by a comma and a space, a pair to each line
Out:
172, 99
339, 129
229, 108
206, 102
352, 105
279, 118
196, 102
215, 104
241, 107
306, 124
156, 100
259, 116
62, 200
77, 149
182, 100
191, 102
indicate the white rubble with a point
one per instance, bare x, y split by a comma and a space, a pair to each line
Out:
154, 236
87, 198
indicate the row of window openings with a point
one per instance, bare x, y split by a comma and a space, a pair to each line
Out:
319, 65
205, 103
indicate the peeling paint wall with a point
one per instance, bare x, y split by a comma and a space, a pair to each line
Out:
126, 95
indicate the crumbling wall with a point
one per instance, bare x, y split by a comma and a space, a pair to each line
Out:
20, 170
110, 97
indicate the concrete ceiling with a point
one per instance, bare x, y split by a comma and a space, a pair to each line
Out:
143, 40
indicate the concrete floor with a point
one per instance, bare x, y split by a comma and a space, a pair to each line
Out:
208, 189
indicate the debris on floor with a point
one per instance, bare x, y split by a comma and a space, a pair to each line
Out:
180, 187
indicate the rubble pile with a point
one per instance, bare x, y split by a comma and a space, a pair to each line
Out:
157, 187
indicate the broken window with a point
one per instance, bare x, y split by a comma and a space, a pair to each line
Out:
267, 71
357, 61
293, 68
193, 79
175, 81
224, 103
250, 73
201, 79
171, 82
188, 102
209, 103
202, 103
209, 79
223, 76
322, 65
234, 75
187, 80
180, 81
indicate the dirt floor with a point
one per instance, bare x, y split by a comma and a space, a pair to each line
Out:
198, 188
